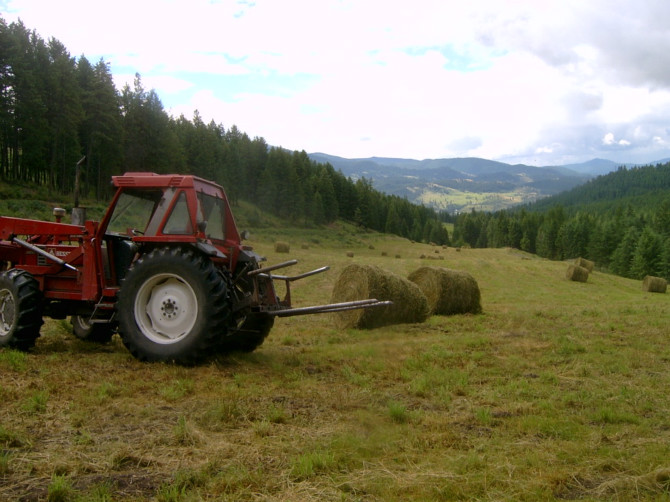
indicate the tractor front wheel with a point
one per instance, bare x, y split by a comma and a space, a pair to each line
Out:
172, 306
20, 309
91, 331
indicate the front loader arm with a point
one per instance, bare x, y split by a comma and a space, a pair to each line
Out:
10, 227
284, 308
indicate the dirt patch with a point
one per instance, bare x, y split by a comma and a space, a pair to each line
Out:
140, 484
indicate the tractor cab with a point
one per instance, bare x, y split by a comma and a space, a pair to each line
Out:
151, 209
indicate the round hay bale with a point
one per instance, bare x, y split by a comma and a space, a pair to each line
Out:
577, 273
282, 247
652, 284
587, 264
360, 282
448, 291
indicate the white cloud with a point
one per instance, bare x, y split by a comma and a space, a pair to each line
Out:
430, 78
609, 140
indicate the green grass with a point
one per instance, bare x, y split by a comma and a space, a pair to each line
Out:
558, 391
13, 360
29, 201
60, 489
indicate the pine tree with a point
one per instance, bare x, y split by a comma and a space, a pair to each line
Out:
529, 226
547, 234
29, 137
345, 193
662, 218
574, 235
515, 233
236, 162
149, 144
393, 222
604, 239
7, 102
647, 257
327, 191
365, 209
438, 233
622, 256
64, 114
258, 155
665, 259
318, 211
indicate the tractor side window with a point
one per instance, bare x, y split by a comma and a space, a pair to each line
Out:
179, 221
133, 211
213, 212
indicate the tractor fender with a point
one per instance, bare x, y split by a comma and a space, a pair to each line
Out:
209, 250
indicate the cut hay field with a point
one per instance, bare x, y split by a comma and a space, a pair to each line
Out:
558, 391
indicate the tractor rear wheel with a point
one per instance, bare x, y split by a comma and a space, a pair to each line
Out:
247, 330
20, 309
91, 331
172, 306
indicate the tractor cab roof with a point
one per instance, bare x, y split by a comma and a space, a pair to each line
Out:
153, 180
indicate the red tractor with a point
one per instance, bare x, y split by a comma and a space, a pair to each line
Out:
165, 267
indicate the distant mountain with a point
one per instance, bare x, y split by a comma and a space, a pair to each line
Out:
461, 184
595, 167
458, 184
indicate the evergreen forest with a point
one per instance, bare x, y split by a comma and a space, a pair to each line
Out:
56, 110
621, 221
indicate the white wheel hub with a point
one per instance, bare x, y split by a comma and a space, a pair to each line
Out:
7, 312
166, 308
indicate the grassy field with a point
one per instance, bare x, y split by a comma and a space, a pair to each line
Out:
558, 391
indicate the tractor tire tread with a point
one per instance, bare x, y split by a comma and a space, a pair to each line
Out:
216, 306
29, 305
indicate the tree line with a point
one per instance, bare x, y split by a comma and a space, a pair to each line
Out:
56, 110
620, 220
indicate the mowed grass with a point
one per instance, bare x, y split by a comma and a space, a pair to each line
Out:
557, 391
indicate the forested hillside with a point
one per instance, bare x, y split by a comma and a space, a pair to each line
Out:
56, 109
643, 187
620, 220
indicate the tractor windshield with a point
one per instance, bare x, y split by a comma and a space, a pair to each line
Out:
133, 210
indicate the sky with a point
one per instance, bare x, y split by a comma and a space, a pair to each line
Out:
540, 82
